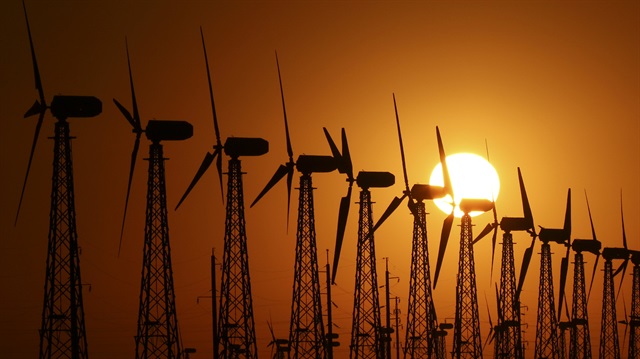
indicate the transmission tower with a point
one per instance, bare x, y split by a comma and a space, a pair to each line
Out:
467, 341
306, 330
235, 324
62, 331
422, 321
157, 333
634, 322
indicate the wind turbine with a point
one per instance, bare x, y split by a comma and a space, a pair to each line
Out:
157, 331
306, 330
62, 328
236, 326
467, 341
580, 337
508, 334
546, 344
609, 341
278, 346
420, 338
366, 326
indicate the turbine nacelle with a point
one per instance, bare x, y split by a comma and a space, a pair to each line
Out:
168, 130
560, 236
368, 179
587, 245
421, 192
510, 224
63, 107
635, 257
475, 204
243, 146
610, 253
315, 164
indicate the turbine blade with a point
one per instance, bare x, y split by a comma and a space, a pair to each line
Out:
36, 72
622, 267
126, 114
593, 274
134, 155
593, 231
343, 214
136, 116
36, 108
206, 162
277, 176
346, 155
526, 259
334, 151
493, 248
486, 230
444, 238
219, 169
26, 176
213, 104
395, 202
289, 180
404, 164
564, 268
284, 111
526, 208
567, 216
443, 161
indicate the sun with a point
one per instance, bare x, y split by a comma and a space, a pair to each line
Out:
471, 177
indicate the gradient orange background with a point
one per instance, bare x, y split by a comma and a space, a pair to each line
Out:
554, 88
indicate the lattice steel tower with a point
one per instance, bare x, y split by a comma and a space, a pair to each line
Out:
306, 330
236, 326
634, 322
157, 335
509, 337
421, 340
235, 329
580, 338
547, 322
467, 341
365, 336
609, 341
62, 332
421, 314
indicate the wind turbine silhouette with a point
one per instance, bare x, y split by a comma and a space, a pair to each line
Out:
366, 326
62, 328
580, 337
236, 325
306, 330
157, 329
420, 338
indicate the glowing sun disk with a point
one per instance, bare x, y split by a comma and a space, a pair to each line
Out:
471, 177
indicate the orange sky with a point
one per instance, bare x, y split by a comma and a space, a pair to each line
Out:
554, 88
